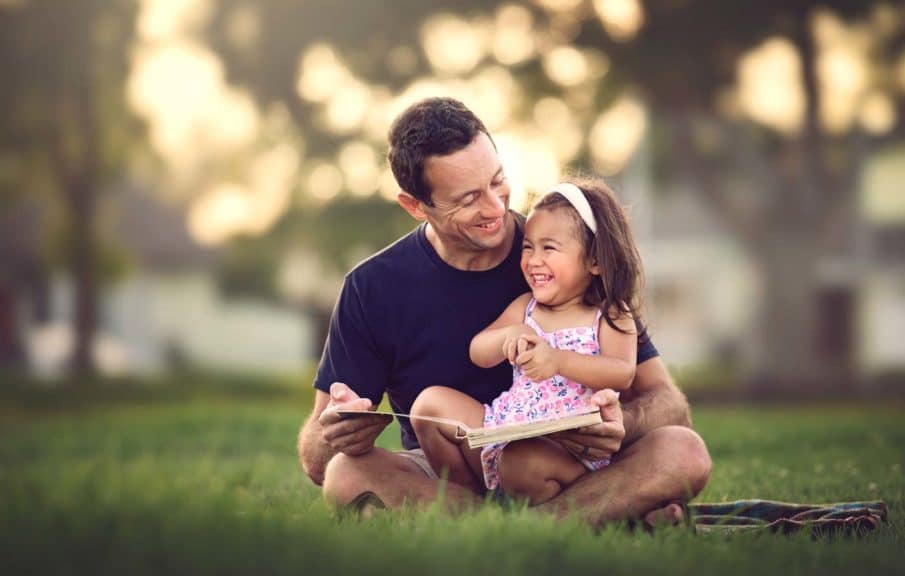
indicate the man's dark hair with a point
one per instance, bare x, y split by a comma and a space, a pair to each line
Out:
431, 127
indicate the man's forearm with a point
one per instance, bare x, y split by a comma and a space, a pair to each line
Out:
658, 403
314, 452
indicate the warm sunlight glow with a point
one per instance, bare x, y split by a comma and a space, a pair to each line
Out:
218, 214
324, 181
228, 209
495, 93
616, 134
559, 5
566, 65
178, 87
452, 45
359, 164
878, 114
769, 89
513, 38
272, 177
622, 19
843, 70
555, 119
348, 106
320, 71
530, 164
162, 19
388, 187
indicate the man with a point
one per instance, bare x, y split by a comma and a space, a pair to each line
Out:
404, 321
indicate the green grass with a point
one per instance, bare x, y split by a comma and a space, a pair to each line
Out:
204, 479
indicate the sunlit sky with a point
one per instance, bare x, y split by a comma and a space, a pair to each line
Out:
238, 167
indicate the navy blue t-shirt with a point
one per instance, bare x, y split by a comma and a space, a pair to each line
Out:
405, 319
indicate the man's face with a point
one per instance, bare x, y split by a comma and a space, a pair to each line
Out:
470, 196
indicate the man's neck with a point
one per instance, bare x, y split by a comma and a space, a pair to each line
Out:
473, 259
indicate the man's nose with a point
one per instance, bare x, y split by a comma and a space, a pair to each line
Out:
494, 203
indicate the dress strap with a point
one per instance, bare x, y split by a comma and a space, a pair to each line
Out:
530, 307
597, 319
529, 320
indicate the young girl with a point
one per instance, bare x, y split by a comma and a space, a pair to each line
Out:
572, 335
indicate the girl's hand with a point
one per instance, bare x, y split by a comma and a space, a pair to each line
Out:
511, 344
536, 358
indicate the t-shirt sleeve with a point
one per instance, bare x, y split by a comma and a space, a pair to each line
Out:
646, 348
351, 353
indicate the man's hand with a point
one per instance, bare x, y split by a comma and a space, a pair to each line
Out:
601, 440
537, 359
512, 344
351, 436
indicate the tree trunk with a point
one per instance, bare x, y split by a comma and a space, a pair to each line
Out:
84, 271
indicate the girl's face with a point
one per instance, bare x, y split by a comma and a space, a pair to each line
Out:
553, 259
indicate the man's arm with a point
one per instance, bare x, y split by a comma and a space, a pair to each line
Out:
325, 433
652, 401
314, 452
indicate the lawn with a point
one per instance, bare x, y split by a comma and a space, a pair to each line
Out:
203, 479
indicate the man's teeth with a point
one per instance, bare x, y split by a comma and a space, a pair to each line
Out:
489, 225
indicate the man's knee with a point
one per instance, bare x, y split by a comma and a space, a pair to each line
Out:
345, 478
689, 452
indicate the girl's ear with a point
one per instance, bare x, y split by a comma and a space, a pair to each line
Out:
593, 267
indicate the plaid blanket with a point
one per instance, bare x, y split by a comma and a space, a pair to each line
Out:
855, 518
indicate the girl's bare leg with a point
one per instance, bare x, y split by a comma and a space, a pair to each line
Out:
537, 469
439, 442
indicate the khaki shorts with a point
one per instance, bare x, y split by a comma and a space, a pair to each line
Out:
417, 457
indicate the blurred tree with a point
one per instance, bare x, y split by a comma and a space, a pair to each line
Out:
65, 126
796, 210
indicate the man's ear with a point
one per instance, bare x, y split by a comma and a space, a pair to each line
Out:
411, 205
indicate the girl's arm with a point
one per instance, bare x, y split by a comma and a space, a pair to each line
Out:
614, 368
488, 347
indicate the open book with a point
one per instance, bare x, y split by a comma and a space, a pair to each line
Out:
478, 437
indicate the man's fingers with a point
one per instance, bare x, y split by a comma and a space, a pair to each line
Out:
340, 393
333, 432
610, 409
331, 416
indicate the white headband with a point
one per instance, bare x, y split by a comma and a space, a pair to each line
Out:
577, 199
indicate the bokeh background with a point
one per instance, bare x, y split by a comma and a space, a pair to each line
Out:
184, 183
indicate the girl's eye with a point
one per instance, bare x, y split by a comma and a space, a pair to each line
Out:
549, 248
526, 247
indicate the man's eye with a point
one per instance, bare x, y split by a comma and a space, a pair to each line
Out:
469, 199
498, 181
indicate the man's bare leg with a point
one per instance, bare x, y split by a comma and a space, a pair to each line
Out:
665, 465
395, 479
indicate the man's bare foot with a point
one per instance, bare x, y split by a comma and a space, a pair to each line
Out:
670, 515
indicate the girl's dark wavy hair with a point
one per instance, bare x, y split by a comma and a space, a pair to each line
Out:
617, 290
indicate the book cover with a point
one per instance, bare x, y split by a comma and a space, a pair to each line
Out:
478, 437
